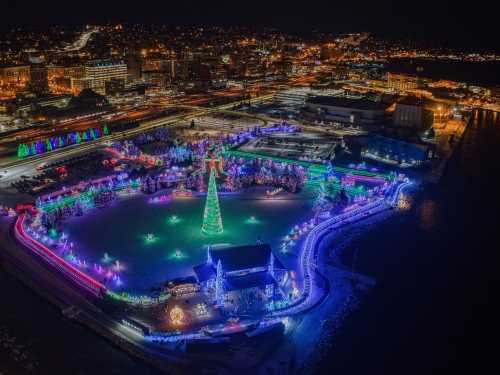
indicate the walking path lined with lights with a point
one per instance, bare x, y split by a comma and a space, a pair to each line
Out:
309, 249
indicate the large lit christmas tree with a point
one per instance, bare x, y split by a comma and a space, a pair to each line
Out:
212, 220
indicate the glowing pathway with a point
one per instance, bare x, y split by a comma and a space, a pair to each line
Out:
309, 248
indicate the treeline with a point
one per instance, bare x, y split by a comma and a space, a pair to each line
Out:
53, 143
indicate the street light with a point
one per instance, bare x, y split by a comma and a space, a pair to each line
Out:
439, 111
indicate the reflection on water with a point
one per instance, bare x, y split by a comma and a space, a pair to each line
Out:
428, 214
431, 265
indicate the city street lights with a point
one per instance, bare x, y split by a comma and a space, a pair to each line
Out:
439, 112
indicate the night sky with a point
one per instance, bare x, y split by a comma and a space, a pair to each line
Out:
445, 21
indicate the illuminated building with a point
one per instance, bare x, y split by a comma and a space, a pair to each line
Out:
293, 97
25, 105
233, 270
157, 65
182, 286
55, 71
105, 70
218, 76
18, 75
60, 77
14, 79
97, 73
158, 72
80, 84
401, 82
393, 151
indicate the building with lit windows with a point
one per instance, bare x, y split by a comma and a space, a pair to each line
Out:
97, 73
60, 77
14, 74
401, 82
14, 79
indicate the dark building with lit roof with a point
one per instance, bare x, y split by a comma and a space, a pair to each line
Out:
230, 272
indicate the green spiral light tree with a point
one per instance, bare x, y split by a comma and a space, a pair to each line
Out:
212, 219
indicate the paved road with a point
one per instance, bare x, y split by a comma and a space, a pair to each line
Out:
81, 42
13, 170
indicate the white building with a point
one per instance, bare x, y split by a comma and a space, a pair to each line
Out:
97, 73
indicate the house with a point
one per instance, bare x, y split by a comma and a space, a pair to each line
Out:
232, 272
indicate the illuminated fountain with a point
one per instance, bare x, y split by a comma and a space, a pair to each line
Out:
177, 254
252, 220
174, 219
150, 238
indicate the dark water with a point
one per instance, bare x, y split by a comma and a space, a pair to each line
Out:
51, 343
435, 266
430, 312
476, 73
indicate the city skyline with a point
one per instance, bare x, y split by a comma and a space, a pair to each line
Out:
442, 21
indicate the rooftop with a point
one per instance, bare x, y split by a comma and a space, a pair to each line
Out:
235, 259
251, 280
95, 63
334, 101
242, 257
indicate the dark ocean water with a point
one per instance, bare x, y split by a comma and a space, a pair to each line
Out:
476, 73
432, 308
430, 311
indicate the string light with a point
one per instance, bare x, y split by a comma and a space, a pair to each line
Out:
212, 220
